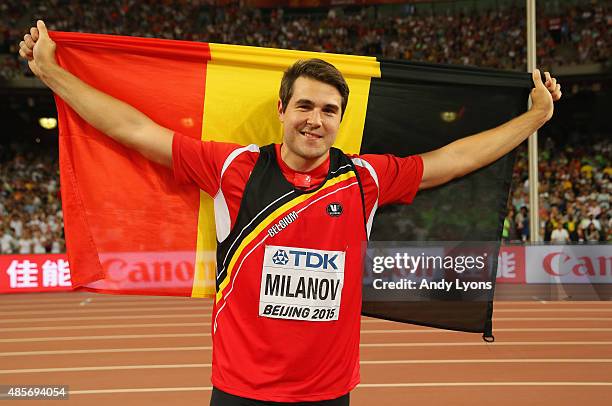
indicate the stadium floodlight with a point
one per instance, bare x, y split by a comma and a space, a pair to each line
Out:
448, 116
48, 123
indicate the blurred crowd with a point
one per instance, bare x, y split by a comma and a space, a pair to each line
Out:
574, 180
574, 194
31, 218
575, 34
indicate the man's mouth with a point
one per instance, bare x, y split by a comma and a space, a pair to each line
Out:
310, 135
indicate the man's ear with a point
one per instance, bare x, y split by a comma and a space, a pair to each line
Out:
281, 113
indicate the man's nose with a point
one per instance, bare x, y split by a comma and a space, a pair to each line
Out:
314, 118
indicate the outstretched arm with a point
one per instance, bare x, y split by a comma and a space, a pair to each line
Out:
111, 116
468, 154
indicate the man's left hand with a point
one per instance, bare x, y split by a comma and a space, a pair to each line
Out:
544, 94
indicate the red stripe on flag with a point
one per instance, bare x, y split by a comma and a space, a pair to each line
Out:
114, 199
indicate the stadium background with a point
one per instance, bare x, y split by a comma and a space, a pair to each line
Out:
560, 347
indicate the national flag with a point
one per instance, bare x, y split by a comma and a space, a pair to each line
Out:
125, 215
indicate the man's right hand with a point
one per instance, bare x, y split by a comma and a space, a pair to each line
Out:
38, 49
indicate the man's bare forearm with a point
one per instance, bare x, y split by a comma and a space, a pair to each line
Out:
107, 114
111, 116
471, 153
481, 149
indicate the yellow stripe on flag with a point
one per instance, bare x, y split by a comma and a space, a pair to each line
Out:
240, 102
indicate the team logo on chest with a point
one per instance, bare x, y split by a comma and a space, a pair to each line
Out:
280, 258
334, 209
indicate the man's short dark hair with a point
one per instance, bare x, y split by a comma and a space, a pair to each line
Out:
316, 69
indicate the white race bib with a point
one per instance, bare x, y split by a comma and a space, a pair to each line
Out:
301, 284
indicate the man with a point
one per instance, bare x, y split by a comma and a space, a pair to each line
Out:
291, 220
7, 241
560, 234
549, 227
587, 221
571, 227
522, 223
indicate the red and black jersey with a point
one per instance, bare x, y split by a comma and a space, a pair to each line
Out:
287, 312
286, 323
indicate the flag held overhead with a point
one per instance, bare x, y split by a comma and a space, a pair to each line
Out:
131, 229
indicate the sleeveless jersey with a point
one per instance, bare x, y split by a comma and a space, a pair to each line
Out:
286, 317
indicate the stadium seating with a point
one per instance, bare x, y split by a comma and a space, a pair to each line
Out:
575, 182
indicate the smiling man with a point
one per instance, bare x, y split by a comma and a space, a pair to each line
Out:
291, 221
315, 97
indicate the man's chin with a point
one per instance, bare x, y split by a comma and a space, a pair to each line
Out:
313, 153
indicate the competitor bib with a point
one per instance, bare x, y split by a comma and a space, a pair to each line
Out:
301, 283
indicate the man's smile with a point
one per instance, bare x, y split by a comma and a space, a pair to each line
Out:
310, 135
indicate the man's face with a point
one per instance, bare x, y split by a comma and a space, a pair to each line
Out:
311, 119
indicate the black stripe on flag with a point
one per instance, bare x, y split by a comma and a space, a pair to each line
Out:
414, 108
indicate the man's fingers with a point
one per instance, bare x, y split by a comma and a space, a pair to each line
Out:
556, 95
25, 55
547, 77
537, 79
42, 28
535, 75
29, 41
23, 47
34, 33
